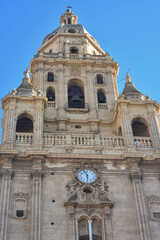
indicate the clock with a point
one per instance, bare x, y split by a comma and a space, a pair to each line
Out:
87, 176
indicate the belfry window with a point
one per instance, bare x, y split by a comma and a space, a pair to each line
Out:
24, 124
69, 21
50, 77
75, 94
50, 94
101, 96
139, 128
73, 50
99, 79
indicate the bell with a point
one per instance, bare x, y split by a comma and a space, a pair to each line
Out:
75, 98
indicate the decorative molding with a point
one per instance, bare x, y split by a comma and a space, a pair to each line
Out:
37, 173
154, 207
21, 195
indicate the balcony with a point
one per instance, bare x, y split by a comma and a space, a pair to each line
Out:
24, 138
51, 104
142, 142
77, 107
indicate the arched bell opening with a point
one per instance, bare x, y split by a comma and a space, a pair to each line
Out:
140, 128
24, 124
76, 94
74, 50
119, 131
101, 96
50, 94
96, 228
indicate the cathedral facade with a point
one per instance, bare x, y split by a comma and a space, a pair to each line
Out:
78, 161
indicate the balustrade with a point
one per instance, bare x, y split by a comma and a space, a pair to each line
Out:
50, 139
51, 104
142, 142
83, 140
102, 105
115, 141
26, 138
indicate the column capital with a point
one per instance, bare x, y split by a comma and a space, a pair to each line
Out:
136, 175
6, 172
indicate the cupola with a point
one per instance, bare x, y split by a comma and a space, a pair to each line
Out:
68, 18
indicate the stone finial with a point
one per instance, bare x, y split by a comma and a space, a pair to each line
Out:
128, 78
26, 73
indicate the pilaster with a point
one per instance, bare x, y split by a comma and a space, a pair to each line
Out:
6, 173
136, 177
36, 202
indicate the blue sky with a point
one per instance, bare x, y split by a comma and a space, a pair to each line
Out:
129, 30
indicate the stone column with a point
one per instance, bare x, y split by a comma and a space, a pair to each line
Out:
6, 173
136, 177
90, 95
36, 203
61, 92
112, 91
90, 229
126, 126
155, 129
38, 124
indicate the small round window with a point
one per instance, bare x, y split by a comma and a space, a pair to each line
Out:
71, 30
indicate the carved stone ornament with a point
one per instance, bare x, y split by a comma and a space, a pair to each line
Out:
75, 71
21, 195
154, 207
89, 197
7, 172
136, 175
37, 173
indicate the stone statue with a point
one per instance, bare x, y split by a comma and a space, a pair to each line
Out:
26, 73
128, 78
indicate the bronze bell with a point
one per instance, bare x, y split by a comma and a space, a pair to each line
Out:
75, 98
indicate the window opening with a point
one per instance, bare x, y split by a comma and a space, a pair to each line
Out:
73, 50
20, 213
140, 129
71, 30
101, 96
50, 77
24, 124
99, 79
50, 94
75, 97
69, 21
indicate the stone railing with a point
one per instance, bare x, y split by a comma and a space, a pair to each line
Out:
25, 138
54, 139
142, 142
114, 141
72, 56
102, 105
51, 104
83, 140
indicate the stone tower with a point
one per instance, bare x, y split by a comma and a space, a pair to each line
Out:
78, 161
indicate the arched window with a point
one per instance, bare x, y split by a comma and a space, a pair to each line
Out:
50, 94
119, 131
101, 96
50, 77
96, 228
73, 50
139, 128
99, 79
75, 94
24, 124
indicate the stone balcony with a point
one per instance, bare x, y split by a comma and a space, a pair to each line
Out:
81, 142
73, 56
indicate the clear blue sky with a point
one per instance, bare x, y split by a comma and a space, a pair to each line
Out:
128, 29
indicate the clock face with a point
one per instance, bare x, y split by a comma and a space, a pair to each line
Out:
87, 176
